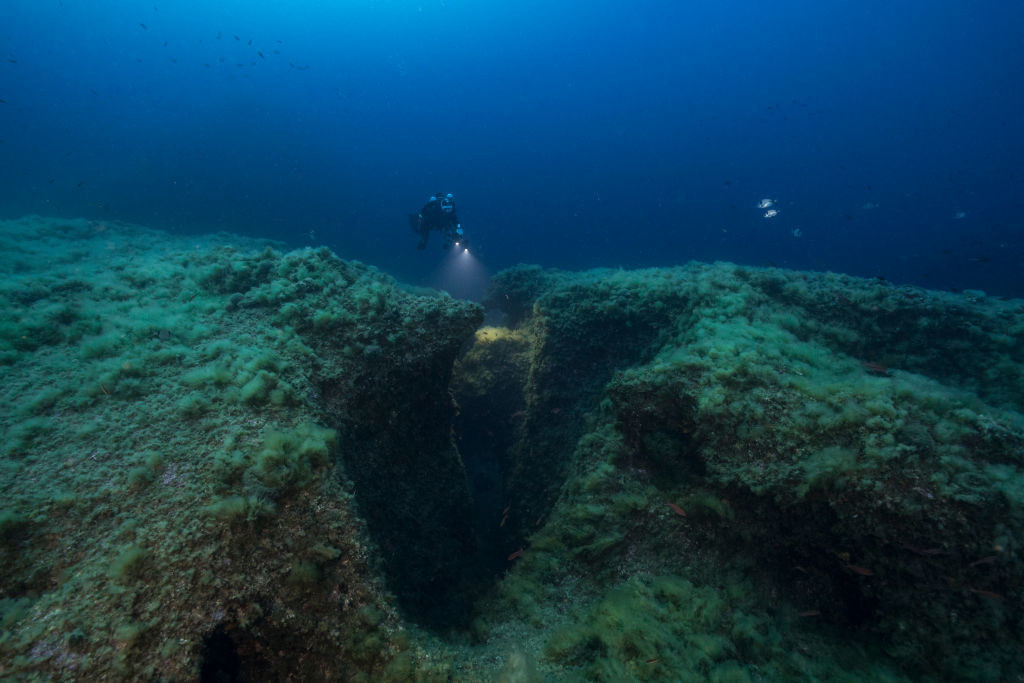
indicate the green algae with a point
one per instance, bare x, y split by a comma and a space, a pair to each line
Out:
129, 565
180, 464
711, 472
763, 409
289, 458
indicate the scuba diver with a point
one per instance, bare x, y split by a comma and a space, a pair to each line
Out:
438, 214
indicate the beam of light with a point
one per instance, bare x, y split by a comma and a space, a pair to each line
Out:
461, 274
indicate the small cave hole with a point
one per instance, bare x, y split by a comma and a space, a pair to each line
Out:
220, 663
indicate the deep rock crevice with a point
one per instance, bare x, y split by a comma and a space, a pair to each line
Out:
409, 483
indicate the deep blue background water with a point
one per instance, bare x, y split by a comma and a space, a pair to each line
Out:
573, 134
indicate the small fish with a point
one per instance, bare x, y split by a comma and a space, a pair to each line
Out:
810, 613
250, 41
676, 509
516, 555
766, 203
985, 560
3, 101
863, 571
986, 594
144, 27
771, 213
654, 660
260, 54
922, 551
875, 368
13, 61
236, 37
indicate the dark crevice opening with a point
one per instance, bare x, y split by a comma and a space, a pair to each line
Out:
438, 584
410, 485
220, 660
485, 434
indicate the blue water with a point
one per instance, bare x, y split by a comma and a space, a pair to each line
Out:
573, 134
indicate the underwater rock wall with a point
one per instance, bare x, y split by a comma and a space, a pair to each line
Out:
215, 454
225, 462
579, 332
837, 461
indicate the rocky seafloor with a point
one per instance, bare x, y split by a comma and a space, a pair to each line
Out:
225, 461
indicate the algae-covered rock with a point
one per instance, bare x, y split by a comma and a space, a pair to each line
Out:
180, 496
849, 450
225, 461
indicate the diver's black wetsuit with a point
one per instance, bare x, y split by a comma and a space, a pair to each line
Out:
433, 216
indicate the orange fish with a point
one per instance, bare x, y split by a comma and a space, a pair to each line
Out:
986, 594
923, 551
676, 509
863, 571
875, 368
516, 555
